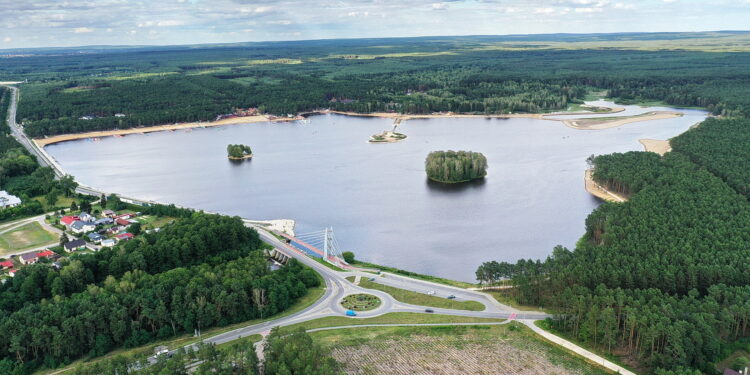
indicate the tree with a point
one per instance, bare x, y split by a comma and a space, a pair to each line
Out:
239, 151
455, 166
348, 257
68, 185
103, 201
63, 239
135, 228
73, 206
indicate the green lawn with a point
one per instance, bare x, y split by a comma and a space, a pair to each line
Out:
501, 349
27, 236
434, 279
421, 299
390, 318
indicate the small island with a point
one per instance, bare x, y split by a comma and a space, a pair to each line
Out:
239, 152
387, 137
452, 167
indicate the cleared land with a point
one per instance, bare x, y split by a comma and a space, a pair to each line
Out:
599, 191
389, 318
504, 349
415, 298
27, 236
655, 145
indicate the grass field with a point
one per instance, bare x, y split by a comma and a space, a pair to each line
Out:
503, 349
434, 279
27, 236
415, 298
390, 318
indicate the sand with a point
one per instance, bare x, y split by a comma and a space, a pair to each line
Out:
613, 122
655, 145
41, 142
598, 191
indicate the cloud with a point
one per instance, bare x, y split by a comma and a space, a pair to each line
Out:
81, 30
439, 6
7, 39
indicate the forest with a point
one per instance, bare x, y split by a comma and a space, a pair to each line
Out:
455, 166
239, 151
200, 272
661, 277
110, 88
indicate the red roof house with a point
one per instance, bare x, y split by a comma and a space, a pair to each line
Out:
12, 272
122, 222
124, 236
7, 264
45, 254
67, 220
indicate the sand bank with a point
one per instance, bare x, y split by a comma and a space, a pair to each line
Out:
41, 142
655, 145
599, 191
600, 123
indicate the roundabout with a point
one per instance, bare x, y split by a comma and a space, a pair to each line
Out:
360, 302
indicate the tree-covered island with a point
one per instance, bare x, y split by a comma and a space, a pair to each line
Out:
239, 152
455, 166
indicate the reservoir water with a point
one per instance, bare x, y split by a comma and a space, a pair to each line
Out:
376, 196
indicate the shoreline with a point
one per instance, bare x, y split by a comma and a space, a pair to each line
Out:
656, 146
598, 191
602, 123
240, 158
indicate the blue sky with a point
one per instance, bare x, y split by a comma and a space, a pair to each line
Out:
42, 23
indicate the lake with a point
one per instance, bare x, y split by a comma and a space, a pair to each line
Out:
376, 196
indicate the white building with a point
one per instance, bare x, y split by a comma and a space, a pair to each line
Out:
7, 200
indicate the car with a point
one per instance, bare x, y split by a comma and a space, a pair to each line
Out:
429, 310
371, 279
351, 313
432, 292
451, 296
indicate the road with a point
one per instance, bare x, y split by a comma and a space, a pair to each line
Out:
338, 287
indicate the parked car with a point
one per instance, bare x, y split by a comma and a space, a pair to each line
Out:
451, 296
432, 292
371, 279
351, 313
429, 310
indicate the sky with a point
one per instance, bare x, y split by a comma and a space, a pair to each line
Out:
58, 23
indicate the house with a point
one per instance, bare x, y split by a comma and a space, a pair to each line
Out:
109, 242
49, 254
82, 226
13, 272
28, 258
85, 217
7, 200
124, 237
6, 264
119, 115
115, 229
75, 245
95, 237
125, 216
67, 220
109, 213
122, 222
104, 221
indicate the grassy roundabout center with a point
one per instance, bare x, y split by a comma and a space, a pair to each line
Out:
360, 302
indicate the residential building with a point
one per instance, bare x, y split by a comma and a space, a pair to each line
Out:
95, 237
28, 258
6, 264
49, 254
82, 227
109, 213
7, 200
74, 245
67, 220
109, 242
85, 217
13, 272
122, 222
124, 236
104, 221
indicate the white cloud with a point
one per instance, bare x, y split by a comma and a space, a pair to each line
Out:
439, 6
7, 39
279, 22
588, 10
263, 9
81, 30
169, 23
547, 10
624, 6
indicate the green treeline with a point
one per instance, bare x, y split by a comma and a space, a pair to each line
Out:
662, 277
197, 273
455, 166
238, 151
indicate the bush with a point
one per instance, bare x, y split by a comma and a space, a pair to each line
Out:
348, 257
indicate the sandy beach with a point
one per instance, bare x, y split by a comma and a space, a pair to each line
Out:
598, 191
613, 122
655, 145
41, 142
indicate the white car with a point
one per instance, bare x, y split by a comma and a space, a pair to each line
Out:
432, 292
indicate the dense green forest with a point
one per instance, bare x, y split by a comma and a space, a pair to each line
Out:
661, 277
200, 272
83, 90
455, 166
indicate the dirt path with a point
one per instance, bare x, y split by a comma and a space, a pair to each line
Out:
613, 122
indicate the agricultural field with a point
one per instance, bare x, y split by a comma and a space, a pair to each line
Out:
26, 236
503, 349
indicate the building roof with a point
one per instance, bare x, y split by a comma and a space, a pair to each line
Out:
46, 253
95, 236
6, 264
28, 256
8, 200
104, 220
80, 224
122, 222
74, 244
67, 220
108, 240
125, 236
